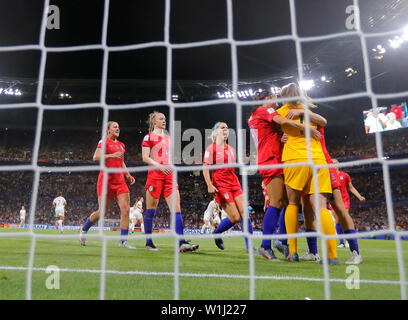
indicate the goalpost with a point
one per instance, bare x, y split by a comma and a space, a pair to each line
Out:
234, 44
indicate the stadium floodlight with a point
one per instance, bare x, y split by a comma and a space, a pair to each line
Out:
394, 43
323, 78
307, 84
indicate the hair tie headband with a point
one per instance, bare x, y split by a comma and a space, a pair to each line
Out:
216, 126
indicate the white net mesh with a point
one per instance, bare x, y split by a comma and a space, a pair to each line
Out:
241, 163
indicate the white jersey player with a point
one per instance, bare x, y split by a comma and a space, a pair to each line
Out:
135, 215
23, 214
59, 204
212, 217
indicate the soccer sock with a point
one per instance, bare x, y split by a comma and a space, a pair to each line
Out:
270, 221
282, 226
179, 225
292, 225
148, 220
87, 225
312, 242
203, 228
250, 230
124, 233
142, 227
329, 228
61, 225
353, 241
339, 230
224, 225
131, 227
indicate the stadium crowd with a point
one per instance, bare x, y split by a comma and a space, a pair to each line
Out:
76, 148
80, 188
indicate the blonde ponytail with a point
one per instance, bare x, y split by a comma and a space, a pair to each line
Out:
150, 122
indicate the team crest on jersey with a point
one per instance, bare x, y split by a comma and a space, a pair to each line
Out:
150, 188
271, 110
226, 196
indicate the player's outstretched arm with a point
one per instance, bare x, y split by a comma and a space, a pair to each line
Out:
314, 117
284, 121
354, 191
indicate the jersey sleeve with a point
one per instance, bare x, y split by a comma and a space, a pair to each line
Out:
146, 141
269, 113
99, 144
348, 179
209, 155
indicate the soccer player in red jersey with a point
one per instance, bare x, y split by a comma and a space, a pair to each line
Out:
224, 185
264, 124
156, 153
116, 186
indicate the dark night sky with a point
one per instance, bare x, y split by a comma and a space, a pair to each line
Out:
136, 22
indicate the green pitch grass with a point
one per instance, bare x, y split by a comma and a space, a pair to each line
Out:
380, 263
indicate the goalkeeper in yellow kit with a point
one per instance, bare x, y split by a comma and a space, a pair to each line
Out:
300, 179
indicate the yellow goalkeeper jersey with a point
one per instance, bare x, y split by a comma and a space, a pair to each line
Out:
296, 147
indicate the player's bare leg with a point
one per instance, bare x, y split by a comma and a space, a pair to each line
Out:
310, 225
123, 201
173, 202
347, 225
93, 219
239, 202
151, 206
277, 196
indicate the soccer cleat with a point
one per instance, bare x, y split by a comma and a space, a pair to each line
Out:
82, 237
307, 256
268, 254
294, 257
219, 243
125, 244
151, 247
347, 244
282, 248
186, 246
341, 245
332, 262
354, 258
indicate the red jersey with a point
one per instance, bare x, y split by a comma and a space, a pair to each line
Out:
265, 135
159, 152
323, 143
112, 147
218, 155
344, 180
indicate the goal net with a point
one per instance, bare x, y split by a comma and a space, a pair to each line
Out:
183, 103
